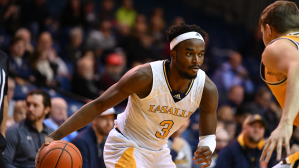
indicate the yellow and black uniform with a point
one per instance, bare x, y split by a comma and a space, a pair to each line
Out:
278, 88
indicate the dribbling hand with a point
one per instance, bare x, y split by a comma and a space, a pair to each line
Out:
204, 154
48, 140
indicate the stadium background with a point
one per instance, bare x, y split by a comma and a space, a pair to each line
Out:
232, 25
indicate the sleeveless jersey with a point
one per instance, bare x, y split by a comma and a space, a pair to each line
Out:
151, 120
278, 88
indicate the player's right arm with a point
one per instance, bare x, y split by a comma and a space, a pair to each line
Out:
282, 58
138, 80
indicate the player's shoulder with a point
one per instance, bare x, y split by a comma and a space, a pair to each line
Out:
136, 80
209, 85
279, 47
141, 72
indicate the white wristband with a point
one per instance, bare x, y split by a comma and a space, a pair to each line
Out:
208, 140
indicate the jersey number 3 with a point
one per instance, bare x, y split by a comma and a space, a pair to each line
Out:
165, 130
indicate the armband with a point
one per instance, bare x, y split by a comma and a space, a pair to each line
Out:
208, 140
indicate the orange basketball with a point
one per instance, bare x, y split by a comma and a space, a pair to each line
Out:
60, 154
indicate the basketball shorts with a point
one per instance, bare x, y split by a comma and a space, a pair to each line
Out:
290, 162
121, 152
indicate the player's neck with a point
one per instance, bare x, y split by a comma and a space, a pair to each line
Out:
277, 35
177, 82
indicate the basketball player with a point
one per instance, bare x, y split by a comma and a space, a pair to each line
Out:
279, 24
162, 96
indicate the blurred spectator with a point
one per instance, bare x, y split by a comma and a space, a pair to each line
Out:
126, 13
74, 48
115, 65
42, 68
178, 20
222, 140
231, 128
25, 34
220, 124
232, 73
157, 25
89, 14
45, 42
26, 137
254, 46
225, 113
91, 140
72, 14
123, 34
58, 116
261, 103
252, 50
295, 136
139, 46
294, 142
247, 149
240, 117
4, 65
9, 16
235, 97
35, 15
19, 113
10, 95
83, 81
264, 106
180, 149
106, 12
141, 18
101, 39
272, 117
18, 65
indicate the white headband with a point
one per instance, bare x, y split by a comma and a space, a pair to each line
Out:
185, 36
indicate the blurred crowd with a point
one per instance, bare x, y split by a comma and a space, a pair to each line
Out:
84, 49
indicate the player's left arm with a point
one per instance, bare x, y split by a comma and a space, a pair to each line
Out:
207, 123
282, 57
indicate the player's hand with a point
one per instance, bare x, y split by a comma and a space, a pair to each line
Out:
278, 138
204, 154
48, 140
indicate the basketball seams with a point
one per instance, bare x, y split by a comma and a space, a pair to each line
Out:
71, 147
61, 154
47, 154
71, 157
76, 151
64, 147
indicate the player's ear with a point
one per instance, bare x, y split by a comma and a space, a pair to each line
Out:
268, 30
172, 54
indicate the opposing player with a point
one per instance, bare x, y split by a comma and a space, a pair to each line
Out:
162, 95
279, 24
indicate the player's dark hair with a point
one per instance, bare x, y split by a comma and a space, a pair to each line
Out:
182, 28
46, 97
282, 15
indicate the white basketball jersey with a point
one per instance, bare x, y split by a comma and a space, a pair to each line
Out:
151, 120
